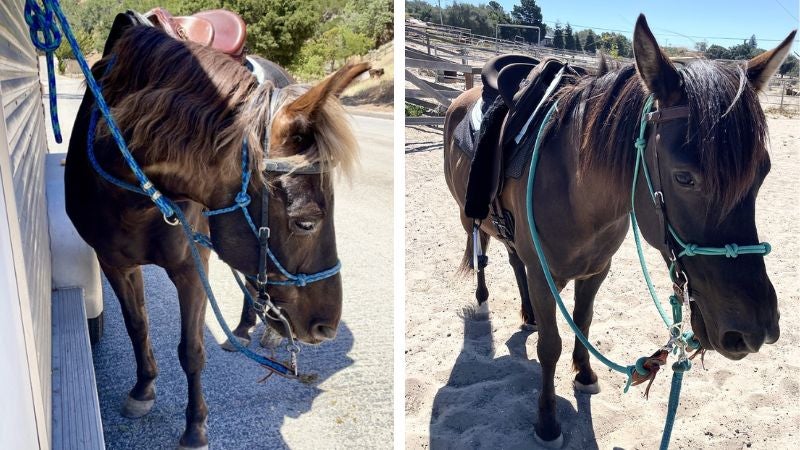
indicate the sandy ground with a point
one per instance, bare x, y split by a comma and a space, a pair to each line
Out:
474, 384
351, 406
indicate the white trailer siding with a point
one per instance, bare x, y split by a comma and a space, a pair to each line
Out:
24, 152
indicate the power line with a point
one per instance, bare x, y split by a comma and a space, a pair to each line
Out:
787, 11
671, 33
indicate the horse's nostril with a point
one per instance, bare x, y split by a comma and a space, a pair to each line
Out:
323, 332
736, 342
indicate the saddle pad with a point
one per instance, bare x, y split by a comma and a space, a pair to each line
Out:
464, 133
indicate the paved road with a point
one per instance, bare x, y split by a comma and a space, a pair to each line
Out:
352, 405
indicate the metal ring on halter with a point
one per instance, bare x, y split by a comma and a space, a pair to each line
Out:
174, 221
292, 347
258, 307
273, 312
660, 196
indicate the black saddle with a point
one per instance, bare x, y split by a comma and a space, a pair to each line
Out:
493, 82
514, 88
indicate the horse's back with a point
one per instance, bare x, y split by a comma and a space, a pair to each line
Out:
265, 69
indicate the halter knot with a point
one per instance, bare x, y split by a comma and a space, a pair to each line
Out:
242, 199
42, 22
690, 250
681, 366
301, 279
641, 143
731, 250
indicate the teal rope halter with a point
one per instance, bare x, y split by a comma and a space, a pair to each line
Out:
679, 340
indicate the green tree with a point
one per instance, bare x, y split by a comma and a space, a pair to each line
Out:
529, 13
752, 42
624, 45
589, 44
422, 10
569, 39
743, 51
558, 37
371, 18
469, 16
701, 46
325, 52
790, 67
578, 45
717, 52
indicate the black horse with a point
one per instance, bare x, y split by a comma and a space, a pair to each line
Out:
712, 159
185, 111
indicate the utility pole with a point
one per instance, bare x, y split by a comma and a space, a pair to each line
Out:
441, 19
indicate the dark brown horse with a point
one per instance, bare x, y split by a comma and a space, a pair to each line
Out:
711, 160
185, 110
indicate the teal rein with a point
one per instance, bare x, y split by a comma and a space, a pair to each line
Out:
679, 340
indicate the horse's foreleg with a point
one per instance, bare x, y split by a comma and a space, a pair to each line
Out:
548, 348
528, 318
190, 350
128, 286
585, 291
246, 323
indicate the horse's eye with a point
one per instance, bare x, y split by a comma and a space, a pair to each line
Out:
298, 138
684, 178
303, 226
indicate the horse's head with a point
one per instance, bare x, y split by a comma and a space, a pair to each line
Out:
309, 137
709, 160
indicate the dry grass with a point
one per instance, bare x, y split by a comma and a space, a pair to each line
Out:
374, 91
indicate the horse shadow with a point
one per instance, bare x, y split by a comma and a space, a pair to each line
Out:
491, 402
242, 412
422, 147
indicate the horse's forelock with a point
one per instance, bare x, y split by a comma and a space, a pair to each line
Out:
726, 124
728, 127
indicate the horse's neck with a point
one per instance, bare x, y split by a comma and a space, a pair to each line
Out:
603, 194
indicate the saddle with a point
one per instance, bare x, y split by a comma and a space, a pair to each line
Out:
514, 89
217, 28
519, 66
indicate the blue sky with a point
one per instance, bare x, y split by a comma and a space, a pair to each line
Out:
675, 22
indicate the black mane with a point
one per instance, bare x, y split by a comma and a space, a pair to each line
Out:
726, 124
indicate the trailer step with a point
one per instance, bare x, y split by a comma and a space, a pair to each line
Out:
76, 409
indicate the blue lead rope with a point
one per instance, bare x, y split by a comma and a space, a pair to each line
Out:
46, 37
41, 21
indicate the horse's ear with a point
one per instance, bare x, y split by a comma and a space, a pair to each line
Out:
602, 66
308, 103
761, 68
658, 74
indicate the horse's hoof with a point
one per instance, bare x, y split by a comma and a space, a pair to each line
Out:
228, 346
133, 409
481, 312
555, 443
592, 389
271, 339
